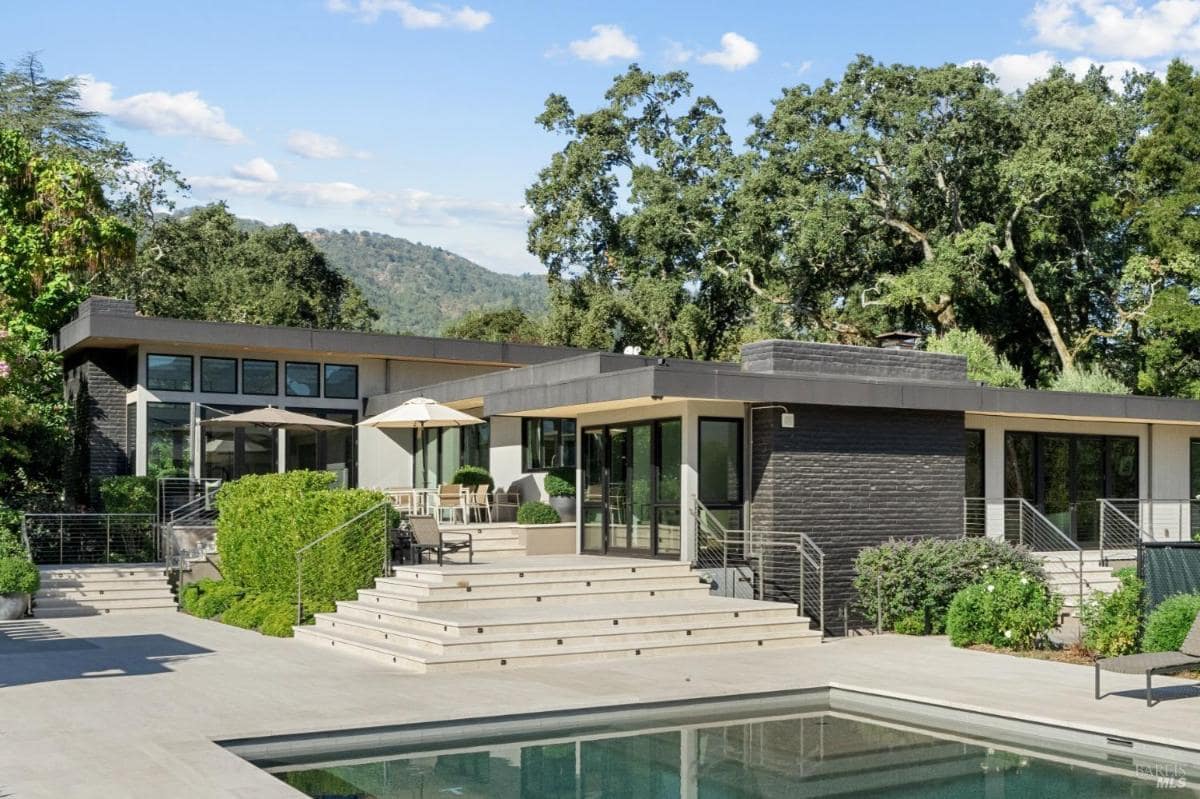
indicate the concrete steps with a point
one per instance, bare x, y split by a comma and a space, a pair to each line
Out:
1063, 571
550, 609
88, 590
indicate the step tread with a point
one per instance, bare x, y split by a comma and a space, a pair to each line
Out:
479, 599
605, 580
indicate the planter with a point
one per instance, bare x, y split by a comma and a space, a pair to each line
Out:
12, 606
565, 507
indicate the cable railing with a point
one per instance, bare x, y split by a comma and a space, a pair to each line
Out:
60, 538
201, 510
771, 565
176, 492
345, 559
975, 517
1120, 527
1026, 526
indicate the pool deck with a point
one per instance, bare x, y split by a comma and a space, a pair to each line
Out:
128, 705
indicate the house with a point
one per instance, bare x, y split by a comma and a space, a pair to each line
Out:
851, 445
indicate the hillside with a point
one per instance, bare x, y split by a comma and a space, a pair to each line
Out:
421, 289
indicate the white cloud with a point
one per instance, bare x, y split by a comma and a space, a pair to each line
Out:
606, 43
414, 16
163, 113
678, 53
737, 52
1120, 28
1017, 70
259, 169
310, 144
800, 69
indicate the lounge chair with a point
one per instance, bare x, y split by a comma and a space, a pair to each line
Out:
428, 535
1151, 663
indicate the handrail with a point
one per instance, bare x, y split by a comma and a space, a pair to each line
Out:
384, 506
201, 503
1040, 534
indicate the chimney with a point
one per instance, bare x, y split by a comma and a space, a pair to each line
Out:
899, 340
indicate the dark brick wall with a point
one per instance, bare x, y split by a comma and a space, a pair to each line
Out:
854, 477
847, 361
96, 384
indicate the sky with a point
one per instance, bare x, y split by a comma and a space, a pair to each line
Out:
416, 118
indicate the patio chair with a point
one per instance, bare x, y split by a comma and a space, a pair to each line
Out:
428, 536
505, 504
451, 499
1151, 663
403, 500
479, 501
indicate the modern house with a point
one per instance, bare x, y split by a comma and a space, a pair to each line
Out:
851, 445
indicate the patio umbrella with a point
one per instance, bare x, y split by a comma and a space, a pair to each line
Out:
272, 418
419, 413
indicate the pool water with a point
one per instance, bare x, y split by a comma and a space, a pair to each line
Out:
805, 755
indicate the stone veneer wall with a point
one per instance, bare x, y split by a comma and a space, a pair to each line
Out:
809, 357
854, 477
97, 382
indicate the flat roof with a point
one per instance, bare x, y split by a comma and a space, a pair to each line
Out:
597, 381
106, 323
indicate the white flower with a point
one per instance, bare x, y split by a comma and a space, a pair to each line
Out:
1024, 581
1008, 633
5, 369
991, 588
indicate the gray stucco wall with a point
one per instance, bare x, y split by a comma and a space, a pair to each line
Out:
97, 382
854, 477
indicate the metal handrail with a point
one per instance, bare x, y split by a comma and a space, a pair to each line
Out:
1039, 534
194, 507
1117, 527
384, 506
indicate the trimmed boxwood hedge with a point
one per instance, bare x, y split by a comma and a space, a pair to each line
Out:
537, 513
265, 518
472, 476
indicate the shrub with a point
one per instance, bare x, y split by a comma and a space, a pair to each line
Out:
278, 620
560, 482
983, 364
249, 611
210, 598
127, 494
1008, 608
1168, 624
537, 513
1086, 380
472, 476
918, 578
265, 518
1111, 622
18, 576
10, 544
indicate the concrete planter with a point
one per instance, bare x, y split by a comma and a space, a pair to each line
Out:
565, 507
12, 606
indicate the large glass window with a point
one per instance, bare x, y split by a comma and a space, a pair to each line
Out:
547, 444
168, 439
440, 452
229, 454
328, 450
302, 379
721, 469
341, 381
260, 377
218, 375
169, 372
975, 464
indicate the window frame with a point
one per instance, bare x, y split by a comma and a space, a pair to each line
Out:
325, 380
287, 390
982, 459
242, 376
739, 506
558, 421
237, 368
191, 385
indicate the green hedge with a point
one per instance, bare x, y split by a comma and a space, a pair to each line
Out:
472, 476
18, 576
918, 578
1112, 622
265, 519
1169, 622
128, 494
1007, 608
560, 482
537, 513
233, 604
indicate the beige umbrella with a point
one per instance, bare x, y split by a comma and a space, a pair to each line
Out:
419, 413
272, 418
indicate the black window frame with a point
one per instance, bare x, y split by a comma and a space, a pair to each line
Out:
325, 380
969, 431
724, 505
287, 391
242, 377
558, 421
237, 369
191, 371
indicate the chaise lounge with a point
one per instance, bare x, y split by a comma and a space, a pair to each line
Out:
428, 535
1151, 663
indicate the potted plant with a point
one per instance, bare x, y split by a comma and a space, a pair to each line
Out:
18, 579
560, 486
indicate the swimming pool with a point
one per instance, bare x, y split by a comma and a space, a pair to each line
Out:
780, 746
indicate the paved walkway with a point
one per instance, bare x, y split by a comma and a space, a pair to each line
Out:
129, 705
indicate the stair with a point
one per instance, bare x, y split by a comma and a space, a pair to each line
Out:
88, 590
491, 544
540, 610
1062, 574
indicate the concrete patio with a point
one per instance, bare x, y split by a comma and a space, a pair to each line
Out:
129, 705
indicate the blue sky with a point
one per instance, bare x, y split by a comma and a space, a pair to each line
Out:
416, 118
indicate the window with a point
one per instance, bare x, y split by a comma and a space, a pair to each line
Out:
974, 463
260, 377
302, 379
721, 469
229, 454
218, 375
131, 431
341, 381
169, 372
547, 444
168, 439
328, 450
440, 452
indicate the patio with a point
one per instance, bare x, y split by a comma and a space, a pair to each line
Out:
130, 705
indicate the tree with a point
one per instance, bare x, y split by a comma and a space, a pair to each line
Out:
204, 265
57, 230
983, 364
503, 325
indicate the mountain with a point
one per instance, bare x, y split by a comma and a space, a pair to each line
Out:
421, 289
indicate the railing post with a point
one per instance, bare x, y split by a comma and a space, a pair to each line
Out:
1021, 522
801, 551
60, 540
1103, 514
821, 563
108, 539
879, 603
299, 588
1080, 608
387, 548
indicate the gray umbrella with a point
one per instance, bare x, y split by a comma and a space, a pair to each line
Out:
274, 419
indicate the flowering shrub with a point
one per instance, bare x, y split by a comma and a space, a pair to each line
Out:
1008, 608
1112, 622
